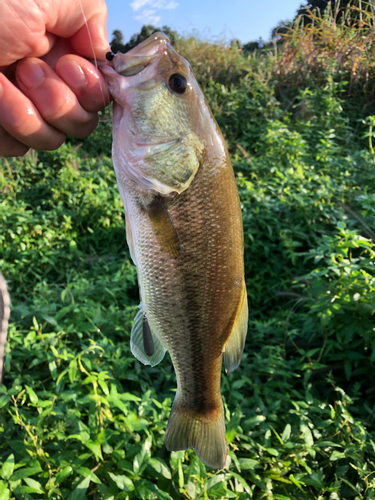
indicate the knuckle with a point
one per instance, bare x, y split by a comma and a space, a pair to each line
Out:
86, 128
54, 142
11, 150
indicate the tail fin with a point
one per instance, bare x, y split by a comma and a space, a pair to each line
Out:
205, 433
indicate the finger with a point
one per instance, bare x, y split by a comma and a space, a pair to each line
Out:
9, 146
20, 118
85, 25
85, 80
54, 100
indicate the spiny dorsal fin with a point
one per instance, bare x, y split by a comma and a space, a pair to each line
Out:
235, 345
137, 344
164, 229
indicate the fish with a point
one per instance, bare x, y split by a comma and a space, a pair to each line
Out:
185, 235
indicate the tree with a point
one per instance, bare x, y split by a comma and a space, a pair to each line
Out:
339, 9
235, 44
117, 44
281, 28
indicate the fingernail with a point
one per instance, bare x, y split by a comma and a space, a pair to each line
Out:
31, 73
1, 91
72, 73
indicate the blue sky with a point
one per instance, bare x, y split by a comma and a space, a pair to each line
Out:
243, 19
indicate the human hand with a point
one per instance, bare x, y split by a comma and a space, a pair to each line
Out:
47, 87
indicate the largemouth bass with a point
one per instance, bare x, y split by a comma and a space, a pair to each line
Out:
184, 231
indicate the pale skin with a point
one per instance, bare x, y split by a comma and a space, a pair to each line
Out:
48, 87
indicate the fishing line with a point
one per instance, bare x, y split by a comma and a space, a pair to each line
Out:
92, 47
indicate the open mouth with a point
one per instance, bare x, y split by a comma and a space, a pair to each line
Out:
134, 64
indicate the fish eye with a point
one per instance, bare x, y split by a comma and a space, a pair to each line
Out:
177, 83
109, 56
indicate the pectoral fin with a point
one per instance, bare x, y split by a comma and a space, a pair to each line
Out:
141, 341
163, 228
235, 345
148, 343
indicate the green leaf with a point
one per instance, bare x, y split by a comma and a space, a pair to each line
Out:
123, 482
95, 448
8, 467
336, 455
234, 459
33, 397
73, 367
307, 435
63, 474
286, 433
219, 490
296, 482
85, 472
248, 464
233, 424
273, 452
4, 492
25, 472
142, 457
34, 484
149, 491
316, 479
80, 491
159, 465
4, 400
241, 480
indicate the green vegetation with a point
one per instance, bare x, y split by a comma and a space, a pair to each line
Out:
147, 30
81, 418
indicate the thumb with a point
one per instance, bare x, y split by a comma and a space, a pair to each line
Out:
84, 23
91, 39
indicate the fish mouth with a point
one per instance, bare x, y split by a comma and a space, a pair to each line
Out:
140, 57
134, 64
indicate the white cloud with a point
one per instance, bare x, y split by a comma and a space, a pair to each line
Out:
154, 4
138, 4
148, 15
171, 5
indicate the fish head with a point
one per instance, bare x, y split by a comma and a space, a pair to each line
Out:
161, 121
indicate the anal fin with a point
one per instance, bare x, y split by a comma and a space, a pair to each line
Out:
236, 342
140, 342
